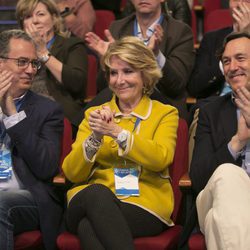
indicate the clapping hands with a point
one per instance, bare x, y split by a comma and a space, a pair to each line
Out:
98, 45
101, 122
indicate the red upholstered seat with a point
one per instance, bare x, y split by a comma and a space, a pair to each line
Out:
197, 242
103, 20
218, 19
28, 240
169, 238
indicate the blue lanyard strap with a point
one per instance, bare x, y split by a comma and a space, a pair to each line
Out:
50, 42
137, 122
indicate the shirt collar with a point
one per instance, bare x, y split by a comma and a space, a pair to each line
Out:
149, 32
142, 110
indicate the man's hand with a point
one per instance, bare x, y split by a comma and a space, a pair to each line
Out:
243, 103
40, 38
156, 39
98, 45
6, 100
241, 16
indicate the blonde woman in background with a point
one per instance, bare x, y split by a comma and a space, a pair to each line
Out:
63, 76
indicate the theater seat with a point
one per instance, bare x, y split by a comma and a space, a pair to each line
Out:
197, 242
103, 20
28, 241
217, 19
169, 238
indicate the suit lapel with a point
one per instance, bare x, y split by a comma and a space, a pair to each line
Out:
28, 102
165, 34
127, 28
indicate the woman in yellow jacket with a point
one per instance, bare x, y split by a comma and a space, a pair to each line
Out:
119, 161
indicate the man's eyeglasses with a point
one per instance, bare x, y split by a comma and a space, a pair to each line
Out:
23, 62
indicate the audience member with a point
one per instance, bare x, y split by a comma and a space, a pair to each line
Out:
113, 141
170, 40
78, 15
207, 78
31, 129
63, 76
220, 165
179, 9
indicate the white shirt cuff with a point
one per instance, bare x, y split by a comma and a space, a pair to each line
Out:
161, 59
10, 121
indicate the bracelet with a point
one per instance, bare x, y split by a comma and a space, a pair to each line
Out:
92, 142
91, 146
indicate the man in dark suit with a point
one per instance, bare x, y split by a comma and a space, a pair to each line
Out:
30, 137
220, 165
207, 79
171, 41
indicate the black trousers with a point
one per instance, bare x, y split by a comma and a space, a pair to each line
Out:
102, 221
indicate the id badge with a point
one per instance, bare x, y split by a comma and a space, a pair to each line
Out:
5, 165
127, 181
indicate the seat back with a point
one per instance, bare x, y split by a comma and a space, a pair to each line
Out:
179, 166
66, 140
211, 5
218, 19
103, 20
123, 4
197, 242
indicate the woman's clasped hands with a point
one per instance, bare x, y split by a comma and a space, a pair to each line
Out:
101, 122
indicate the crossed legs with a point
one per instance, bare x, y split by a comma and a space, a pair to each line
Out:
102, 221
223, 209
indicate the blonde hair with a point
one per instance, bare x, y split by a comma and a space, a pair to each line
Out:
132, 50
25, 8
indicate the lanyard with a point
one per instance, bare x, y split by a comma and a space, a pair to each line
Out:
137, 122
50, 42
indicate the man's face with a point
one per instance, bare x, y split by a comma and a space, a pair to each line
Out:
147, 6
23, 77
236, 63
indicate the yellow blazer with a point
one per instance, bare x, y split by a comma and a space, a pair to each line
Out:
151, 145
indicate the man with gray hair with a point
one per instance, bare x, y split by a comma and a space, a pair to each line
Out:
30, 136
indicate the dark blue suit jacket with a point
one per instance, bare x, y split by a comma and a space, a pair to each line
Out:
216, 125
36, 143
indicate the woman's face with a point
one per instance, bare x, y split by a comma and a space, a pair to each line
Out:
41, 19
125, 82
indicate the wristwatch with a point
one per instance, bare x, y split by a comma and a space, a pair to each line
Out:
122, 137
44, 58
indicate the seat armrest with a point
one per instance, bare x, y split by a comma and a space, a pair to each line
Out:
185, 182
59, 179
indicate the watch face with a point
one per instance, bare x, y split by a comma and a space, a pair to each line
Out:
122, 136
